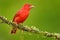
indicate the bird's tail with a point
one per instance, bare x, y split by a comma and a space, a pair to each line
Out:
13, 31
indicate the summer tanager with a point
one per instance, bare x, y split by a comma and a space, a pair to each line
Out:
21, 16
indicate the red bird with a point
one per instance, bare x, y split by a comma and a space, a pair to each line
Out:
21, 16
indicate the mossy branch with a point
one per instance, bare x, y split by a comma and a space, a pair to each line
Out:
30, 29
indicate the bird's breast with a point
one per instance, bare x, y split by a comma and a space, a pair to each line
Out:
23, 16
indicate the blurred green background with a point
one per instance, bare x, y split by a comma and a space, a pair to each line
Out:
45, 16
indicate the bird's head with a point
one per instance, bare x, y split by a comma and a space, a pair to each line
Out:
28, 6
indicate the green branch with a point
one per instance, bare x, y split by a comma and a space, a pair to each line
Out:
30, 29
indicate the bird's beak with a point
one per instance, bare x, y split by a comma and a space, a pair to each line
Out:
32, 6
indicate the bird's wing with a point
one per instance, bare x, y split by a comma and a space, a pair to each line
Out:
16, 15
